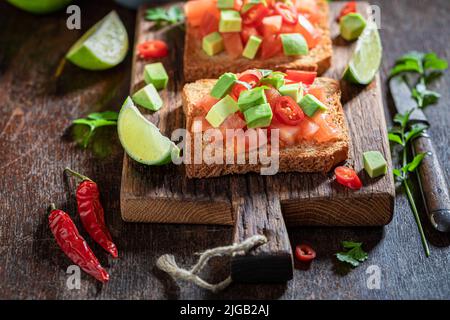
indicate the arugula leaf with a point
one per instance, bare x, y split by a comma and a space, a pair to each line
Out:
165, 17
94, 121
354, 254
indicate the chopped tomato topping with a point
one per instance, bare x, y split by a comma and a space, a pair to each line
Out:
307, 30
152, 49
251, 76
271, 46
238, 5
287, 134
272, 94
200, 124
310, 9
317, 92
348, 177
233, 44
272, 25
349, 7
328, 130
287, 12
195, 10
307, 129
233, 121
287, 111
254, 16
306, 77
210, 23
206, 103
304, 253
247, 32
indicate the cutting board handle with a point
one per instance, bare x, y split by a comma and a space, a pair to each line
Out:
259, 212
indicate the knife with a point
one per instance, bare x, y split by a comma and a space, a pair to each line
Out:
431, 177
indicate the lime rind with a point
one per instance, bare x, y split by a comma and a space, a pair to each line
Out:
141, 139
40, 6
103, 46
366, 58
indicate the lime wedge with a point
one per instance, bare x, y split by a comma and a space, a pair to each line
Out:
41, 6
141, 139
103, 46
366, 59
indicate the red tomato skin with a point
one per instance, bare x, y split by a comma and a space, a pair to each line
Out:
317, 92
305, 77
272, 95
153, 49
206, 103
254, 16
194, 10
308, 31
233, 44
209, 23
271, 46
347, 177
271, 25
287, 111
247, 32
304, 253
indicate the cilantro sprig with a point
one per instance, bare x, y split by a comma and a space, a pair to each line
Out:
95, 121
428, 67
164, 17
353, 254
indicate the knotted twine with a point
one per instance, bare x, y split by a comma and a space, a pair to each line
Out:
167, 263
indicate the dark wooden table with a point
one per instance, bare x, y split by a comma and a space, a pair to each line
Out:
35, 114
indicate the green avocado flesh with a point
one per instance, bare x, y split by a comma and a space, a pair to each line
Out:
223, 85
156, 74
374, 163
310, 104
148, 97
294, 44
258, 116
351, 26
212, 44
221, 110
251, 98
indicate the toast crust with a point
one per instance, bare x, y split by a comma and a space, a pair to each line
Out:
308, 156
198, 65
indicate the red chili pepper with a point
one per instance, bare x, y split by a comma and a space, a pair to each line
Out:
91, 213
304, 253
348, 177
73, 244
349, 7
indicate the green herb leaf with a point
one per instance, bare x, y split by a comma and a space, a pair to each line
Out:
403, 119
354, 254
423, 96
106, 115
415, 162
94, 121
162, 16
406, 66
432, 62
395, 138
415, 131
397, 173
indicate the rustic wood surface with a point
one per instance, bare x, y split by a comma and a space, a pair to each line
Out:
161, 194
35, 114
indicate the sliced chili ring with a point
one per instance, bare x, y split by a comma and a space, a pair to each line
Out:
153, 49
287, 111
304, 253
347, 177
254, 15
287, 12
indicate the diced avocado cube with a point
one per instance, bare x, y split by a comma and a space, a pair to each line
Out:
374, 163
212, 43
252, 46
276, 80
258, 116
230, 21
351, 26
221, 110
155, 74
293, 90
294, 44
148, 97
310, 104
223, 85
250, 3
251, 98
225, 4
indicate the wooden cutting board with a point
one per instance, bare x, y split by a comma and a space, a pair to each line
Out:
257, 204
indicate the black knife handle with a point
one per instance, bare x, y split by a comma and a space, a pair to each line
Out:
433, 184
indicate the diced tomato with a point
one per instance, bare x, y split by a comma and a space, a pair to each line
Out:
307, 30
306, 77
152, 49
272, 94
238, 5
307, 129
347, 177
237, 89
272, 25
200, 124
349, 7
271, 46
287, 134
233, 121
251, 76
327, 131
247, 32
318, 92
210, 23
233, 44
287, 11
195, 10
310, 9
304, 253
254, 16
206, 103
287, 111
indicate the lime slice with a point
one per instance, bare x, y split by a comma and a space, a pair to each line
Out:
366, 59
141, 139
41, 6
103, 46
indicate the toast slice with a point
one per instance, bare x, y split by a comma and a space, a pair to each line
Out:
308, 156
198, 65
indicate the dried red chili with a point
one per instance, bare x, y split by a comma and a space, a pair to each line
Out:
74, 245
91, 213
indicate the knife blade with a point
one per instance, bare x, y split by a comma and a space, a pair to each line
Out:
433, 184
